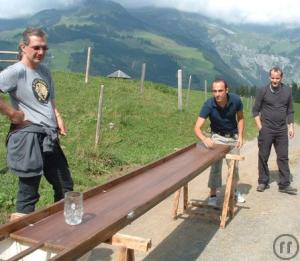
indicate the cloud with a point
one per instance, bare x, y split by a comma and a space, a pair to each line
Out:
19, 8
236, 11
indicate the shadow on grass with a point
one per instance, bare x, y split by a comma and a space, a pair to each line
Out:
4, 170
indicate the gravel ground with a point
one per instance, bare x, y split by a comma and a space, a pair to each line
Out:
250, 235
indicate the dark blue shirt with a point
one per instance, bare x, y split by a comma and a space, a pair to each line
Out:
222, 120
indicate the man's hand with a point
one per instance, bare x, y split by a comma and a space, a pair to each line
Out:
291, 131
62, 130
239, 142
258, 122
17, 117
208, 142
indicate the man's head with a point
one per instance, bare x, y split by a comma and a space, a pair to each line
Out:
33, 46
220, 90
275, 76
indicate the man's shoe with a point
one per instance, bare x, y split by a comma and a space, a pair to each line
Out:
212, 201
262, 187
288, 190
239, 198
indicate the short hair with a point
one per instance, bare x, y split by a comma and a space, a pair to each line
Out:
30, 31
276, 69
220, 80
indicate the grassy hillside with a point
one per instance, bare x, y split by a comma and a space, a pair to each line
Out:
145, 128
165, 39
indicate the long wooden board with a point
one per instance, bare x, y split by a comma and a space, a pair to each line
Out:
112, 206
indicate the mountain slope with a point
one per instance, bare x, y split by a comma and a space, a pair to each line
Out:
165, 39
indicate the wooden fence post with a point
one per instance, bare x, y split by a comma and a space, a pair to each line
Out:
143, 77
179, 79
188, 92
99, 116
88, 59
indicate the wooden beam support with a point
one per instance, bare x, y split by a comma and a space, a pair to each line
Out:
185, 197
27, 251
176, 203
125, 254
132, 242
234, 157
229, 201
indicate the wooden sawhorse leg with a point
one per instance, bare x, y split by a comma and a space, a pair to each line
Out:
176, 200
229, 201
127, 244
125, 254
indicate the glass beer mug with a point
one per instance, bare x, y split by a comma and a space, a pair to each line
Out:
73, 207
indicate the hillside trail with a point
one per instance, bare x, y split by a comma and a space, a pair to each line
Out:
248, 236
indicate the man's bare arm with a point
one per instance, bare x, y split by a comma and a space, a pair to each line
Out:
15, 116
198, 131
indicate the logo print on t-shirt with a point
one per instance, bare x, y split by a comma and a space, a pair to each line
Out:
40, 90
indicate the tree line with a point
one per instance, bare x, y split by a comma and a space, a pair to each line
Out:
248, 91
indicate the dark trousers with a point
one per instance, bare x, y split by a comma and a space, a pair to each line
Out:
56, 172
279, 139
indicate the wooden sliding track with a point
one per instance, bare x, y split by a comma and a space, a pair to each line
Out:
110, 207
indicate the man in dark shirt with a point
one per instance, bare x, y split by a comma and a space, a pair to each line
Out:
274, 116
225, 112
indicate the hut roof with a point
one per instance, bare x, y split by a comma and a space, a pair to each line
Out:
119, 74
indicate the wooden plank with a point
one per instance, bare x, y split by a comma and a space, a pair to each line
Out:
105, 187
29, 219
106, 212
6, 229
26, 252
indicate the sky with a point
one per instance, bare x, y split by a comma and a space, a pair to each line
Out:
232, 11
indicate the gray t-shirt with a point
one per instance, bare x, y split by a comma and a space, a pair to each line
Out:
30, 91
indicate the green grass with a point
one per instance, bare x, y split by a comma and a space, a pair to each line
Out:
146, 128
61, 52
167, 45
75, 21
297, 110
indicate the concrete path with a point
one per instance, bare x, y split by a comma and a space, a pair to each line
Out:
249, 236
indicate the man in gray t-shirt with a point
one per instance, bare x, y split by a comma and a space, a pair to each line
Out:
33, 146
35, 97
